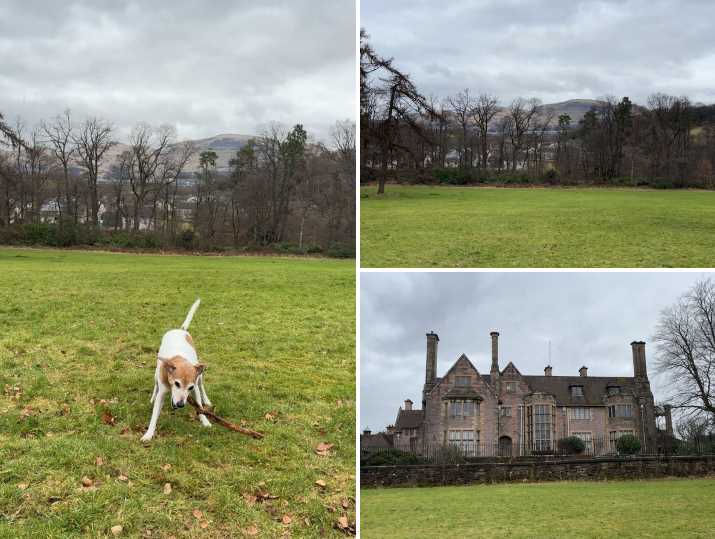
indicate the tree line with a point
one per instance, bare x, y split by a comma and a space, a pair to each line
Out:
64, 182
470, 137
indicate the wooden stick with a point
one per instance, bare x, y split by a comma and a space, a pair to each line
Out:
224, 423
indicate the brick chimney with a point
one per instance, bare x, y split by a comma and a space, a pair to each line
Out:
547, 370
367, 432
431, 363
494, 371
639, 364
408, 404
583, 372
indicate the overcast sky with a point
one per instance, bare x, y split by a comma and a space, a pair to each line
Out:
550, 49
590, 319
224, 66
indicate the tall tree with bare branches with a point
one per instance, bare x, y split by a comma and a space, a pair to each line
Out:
92, 142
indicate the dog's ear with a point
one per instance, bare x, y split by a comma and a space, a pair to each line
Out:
169, 364
200, 368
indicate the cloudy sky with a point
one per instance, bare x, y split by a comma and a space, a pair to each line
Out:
225, 66
590, 319
550, 49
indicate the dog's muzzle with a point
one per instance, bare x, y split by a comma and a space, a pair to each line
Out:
179, 404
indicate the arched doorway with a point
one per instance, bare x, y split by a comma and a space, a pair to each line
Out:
505, 446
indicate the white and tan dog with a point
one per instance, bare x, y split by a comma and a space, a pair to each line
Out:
178, 370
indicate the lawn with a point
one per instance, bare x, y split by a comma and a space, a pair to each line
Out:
417, 226
80, 332
657, 508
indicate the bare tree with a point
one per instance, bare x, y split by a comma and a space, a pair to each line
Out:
685, 339
462, 106
521, 114
59, 134
92, 142
483, 112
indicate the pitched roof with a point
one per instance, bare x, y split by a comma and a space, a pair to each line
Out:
380, 440
594, 387
409, 419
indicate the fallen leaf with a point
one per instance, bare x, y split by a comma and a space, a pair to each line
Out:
321, 483
345, 503
323, 449
22, 486
197, 514
250, 499
166, 467
99, 461
122, 477
117, 530
269, 416
343, 522
262, 495
287, 519
27, 411
204, 524
87, 482
108, 418
306, 520
251, 530
167, 488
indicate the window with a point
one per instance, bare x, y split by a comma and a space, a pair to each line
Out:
614, 390
587, 440
580, 414
462, 408
462, 380
577, 391
506, 411
542, 427
620, 410
511, 387
465, 440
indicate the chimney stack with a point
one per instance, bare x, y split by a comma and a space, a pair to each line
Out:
639, 365
495, 354
367, 432
583, 372
668, 419
408, 404
547, 370
431, 364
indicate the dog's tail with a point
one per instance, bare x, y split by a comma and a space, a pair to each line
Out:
190, 316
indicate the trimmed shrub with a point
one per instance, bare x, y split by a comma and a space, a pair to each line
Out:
571, 445
340, 250
628, 445
391, 457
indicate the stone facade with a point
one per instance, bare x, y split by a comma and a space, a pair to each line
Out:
507, 413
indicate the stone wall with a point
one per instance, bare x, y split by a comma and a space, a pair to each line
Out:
552, 470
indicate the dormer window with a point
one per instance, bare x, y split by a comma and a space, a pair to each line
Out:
577, 391
462, 380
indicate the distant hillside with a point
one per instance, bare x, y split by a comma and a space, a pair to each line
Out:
576, 108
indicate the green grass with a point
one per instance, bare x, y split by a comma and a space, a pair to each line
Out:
414, 226
658, 508
78, 336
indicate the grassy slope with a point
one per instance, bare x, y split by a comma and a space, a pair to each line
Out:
659, 508
277, 336
482, 227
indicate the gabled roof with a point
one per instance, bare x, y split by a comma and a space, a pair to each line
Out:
409, 419
594, 388
380, 439
510, 365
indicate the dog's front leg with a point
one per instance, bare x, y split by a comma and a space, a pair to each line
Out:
158, 402
202, 387
197, 393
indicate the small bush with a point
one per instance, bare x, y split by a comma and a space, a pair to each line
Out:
628, 445
571, 445
391, 457
340, 250
449, 454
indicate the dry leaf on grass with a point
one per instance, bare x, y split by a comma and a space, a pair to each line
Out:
345, 503
167, 488
270, 416
166, 467
204, 524
108, 418
117, 530
250, 499
197, 514
321, 483
22, 486
323, 449
343, 522
251, 531
99, 461
287, 519
87, 482
122, 477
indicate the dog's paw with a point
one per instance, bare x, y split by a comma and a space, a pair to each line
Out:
147, 437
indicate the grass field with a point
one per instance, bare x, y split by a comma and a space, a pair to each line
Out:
415, 226
78, 342
660, 509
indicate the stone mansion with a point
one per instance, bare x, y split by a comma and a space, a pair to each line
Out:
508, 413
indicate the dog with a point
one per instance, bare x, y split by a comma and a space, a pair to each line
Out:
178, 371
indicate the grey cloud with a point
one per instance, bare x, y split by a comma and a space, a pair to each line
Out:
590, 319
221, 66
550, 49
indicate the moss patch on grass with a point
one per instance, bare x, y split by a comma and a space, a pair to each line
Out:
78, 347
